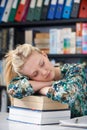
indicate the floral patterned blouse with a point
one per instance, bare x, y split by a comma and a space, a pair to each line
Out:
71, 89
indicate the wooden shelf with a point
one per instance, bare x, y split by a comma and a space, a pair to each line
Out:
2, 54
67, 56
46, 23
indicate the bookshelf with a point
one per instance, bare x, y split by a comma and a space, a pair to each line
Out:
67, 55
46, 23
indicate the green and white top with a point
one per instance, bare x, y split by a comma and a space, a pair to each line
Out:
71, 89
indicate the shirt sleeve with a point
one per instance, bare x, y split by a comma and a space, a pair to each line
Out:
71, 88
20, 87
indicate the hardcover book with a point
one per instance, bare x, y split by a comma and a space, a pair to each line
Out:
40, 117
39, 103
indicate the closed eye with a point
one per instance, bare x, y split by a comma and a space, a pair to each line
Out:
34, 74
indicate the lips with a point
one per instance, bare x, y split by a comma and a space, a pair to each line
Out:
48, 74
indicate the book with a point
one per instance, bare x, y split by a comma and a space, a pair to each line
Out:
39, 103
73, 43
41, 41
59, 9
75, 9
20, 36
20, 10
67, 9
29, 36
31, 11
83, 9
67, 40
11, 38
45, 8
84, 38
13, 10
56, 41
78, 38
52, 9
5, 39
25, 10
41, 35
39, 117
7, 11
38, 10
2, 8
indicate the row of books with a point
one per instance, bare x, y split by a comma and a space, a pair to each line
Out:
8, 40
63, 40
53, 41
37, 109
29, 10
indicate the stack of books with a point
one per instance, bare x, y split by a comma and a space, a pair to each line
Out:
38, 110
41, 41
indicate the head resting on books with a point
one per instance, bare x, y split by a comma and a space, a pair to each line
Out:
26, 63
15, 59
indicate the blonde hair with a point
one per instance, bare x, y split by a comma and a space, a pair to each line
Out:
15, 59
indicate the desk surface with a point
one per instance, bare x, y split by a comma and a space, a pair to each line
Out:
11, 125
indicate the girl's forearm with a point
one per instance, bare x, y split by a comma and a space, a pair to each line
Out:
39, 85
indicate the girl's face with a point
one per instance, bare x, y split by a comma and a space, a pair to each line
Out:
38, 67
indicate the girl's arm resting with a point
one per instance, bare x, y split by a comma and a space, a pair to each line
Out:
37, 85
71, 86
20, 87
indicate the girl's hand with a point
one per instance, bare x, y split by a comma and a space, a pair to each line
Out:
44, 90
39, 85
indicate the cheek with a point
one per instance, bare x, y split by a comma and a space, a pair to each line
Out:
25, 71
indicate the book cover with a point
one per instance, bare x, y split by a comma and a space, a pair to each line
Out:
20, 36
59, 9
26, 10
56, 41
38, 10
31, 10
83, 9
67, 9
36, 116
52, 9
84, 38
20, 10
78, 38
2, 8
45, 8
13, 10
5, 39
29, 35
75, 9
67, 40
7, 11
39, 103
